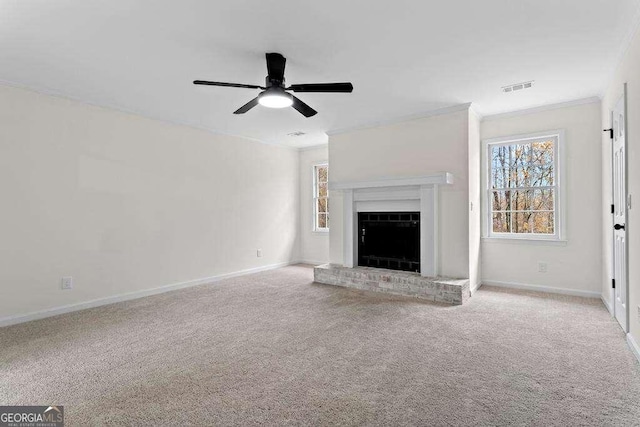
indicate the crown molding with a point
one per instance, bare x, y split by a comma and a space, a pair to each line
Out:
400, 119
119, 109
474, 110
313, 147
624, 48
541, 108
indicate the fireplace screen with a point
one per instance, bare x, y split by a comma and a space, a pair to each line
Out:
389, 240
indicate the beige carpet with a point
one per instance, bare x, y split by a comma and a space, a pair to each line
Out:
274, 348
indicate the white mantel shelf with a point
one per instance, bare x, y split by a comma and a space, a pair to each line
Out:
440, 178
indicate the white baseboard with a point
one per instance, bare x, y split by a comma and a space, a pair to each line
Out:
310, 262
633, 345
21, 318
473, 289
607, 305
540, 288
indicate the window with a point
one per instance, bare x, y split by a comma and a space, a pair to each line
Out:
523, 190
321, 197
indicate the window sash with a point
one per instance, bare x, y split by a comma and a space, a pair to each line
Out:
524, 210
542, 187
317, 182
490, 198
490, 211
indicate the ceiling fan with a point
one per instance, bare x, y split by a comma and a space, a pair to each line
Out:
274, 93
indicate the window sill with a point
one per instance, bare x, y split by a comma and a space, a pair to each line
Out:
325, 232
527, 241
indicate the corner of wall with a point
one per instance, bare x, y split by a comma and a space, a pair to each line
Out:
475, 225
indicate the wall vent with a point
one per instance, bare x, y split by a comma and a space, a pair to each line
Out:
517, 86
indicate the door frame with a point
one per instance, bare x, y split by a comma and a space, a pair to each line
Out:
626, 213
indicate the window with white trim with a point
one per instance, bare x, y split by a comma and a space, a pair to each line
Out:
523, 191
321, 197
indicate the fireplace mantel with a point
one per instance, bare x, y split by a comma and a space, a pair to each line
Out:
394, 194
440, 178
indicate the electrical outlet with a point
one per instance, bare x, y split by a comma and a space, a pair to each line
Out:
639, 313
67, 283
259, 253
542, 267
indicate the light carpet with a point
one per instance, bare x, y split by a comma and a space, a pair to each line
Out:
274, 348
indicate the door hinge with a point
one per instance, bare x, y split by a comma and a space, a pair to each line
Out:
610, 132
613, 209
613, 283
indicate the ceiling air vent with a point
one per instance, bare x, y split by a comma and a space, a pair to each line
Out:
517, 86
296, 133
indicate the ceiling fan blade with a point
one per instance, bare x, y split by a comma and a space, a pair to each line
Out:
322, 87
303, 108
207, 83
275, 66
246, 107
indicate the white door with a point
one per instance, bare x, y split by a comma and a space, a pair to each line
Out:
619, 214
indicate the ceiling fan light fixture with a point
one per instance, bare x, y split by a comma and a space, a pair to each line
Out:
275, 99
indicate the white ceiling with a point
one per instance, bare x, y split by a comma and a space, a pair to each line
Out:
404, 57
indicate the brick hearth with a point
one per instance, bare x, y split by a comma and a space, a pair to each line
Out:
441, 289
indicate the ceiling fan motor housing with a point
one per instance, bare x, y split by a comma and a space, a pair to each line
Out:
270, 82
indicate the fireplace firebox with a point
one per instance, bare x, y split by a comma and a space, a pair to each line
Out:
389, 240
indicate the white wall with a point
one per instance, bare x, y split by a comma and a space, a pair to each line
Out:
575, 266
417, 147
314, 245
123, 203
627, 71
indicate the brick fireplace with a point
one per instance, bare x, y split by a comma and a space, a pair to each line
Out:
392, 224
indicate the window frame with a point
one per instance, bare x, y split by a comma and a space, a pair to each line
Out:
314, 167
559, 189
